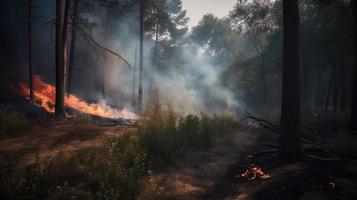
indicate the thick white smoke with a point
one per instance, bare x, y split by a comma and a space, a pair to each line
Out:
193, 88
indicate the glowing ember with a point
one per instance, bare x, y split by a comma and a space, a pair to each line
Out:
255, 172
332, 185
45, 96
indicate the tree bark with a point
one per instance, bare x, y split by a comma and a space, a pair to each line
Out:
306, 83
73, 47
353, 118
30, 50
134, 100
61, 54
265, 93
140, 97
65, 42
331, 81
59, 105
339, 83
290, 148
153, 63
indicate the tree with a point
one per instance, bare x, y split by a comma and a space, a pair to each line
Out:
217, 37
30, 49
75, 14
164, 18
61, 54
353, 118
59, 104
258, 23
141, 65
290, 142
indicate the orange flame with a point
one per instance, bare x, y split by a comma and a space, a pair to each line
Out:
255, 172
45, 95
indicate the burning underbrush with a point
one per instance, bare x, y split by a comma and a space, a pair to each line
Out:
45, 94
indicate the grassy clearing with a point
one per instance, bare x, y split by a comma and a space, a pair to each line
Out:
124, 167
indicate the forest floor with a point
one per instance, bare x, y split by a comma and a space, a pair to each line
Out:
217, 173
212, 174
47, 139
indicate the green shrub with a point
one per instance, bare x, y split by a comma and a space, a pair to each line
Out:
120, 170
165, 136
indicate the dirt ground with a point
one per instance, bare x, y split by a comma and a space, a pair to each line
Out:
47, 139
213, 174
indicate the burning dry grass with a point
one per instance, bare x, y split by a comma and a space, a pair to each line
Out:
45, 98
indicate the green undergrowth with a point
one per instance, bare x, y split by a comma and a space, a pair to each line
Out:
123, 168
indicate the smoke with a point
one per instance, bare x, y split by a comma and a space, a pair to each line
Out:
194, 86
197, 87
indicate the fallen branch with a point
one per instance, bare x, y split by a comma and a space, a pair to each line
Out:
91, 39
266, 124
321, 158
308, 148
264, 152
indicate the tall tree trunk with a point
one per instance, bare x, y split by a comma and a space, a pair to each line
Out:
73, 46
265, 93
107, 36
59, 105
65, 41
343, 98
30, 49
306, 84
331, 81
290, 140
140, 97
153, 63
339, 83
61, 55
102, 82
353, 118
134, 100
316, 97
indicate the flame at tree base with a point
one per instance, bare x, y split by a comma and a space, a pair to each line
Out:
45, 95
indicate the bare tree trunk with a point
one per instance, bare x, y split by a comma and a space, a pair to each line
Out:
290, 140
59, 105
153, 63
134, 100
339, 83
306, 83
265, 93
65, 41
61, 54
102, 83
140, 97
331, 82
353, 118
73, 46
30, 50
343, 97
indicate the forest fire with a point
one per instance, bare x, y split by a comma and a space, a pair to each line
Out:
255, 172
45, 97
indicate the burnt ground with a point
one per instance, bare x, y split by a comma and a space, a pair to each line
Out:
217, 174
308, 179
